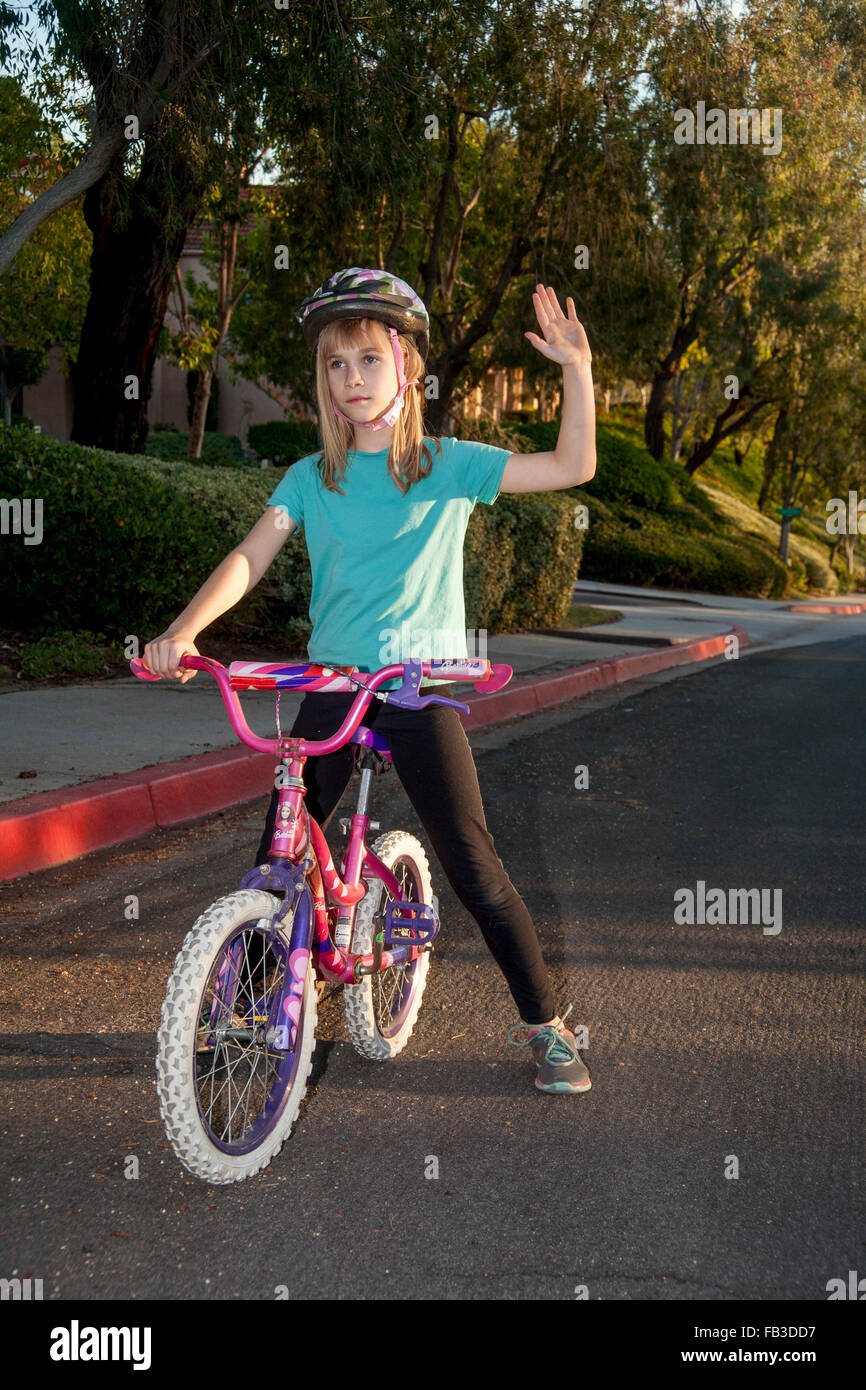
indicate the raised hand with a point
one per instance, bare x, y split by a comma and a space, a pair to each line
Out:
564, 338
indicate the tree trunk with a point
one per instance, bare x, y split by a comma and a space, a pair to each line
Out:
653, 424
724, 426
131, 270
771, 457
201, 401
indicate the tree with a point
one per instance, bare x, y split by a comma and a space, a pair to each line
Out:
44, 293
500, 112
755, 241
205, 309
139, 62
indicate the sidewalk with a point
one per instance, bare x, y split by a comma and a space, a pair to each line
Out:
114, 759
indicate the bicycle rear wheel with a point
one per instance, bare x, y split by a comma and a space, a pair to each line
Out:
382, 1009
228, 1098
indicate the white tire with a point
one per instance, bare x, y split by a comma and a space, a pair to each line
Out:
365, 1002
178, 1037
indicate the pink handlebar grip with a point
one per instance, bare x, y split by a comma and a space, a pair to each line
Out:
138, 668
499, 676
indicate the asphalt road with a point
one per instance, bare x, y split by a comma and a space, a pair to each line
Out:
705, 1041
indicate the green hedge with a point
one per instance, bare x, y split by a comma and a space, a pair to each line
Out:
650, 523
283, 441
623, 473
220, 450
128, 539
626, 547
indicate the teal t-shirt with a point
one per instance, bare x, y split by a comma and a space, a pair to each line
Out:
387, 566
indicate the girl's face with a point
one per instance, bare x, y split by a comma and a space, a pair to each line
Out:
363, 380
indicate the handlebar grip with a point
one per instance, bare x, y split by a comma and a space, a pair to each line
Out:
499, 676
139, 669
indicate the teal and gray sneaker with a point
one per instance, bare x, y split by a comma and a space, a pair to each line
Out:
560, 1067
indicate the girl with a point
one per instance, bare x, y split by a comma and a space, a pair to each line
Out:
384, 512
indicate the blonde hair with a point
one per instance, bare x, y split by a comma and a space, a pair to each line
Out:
409, 458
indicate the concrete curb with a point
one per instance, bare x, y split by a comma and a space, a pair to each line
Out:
827, 607
51, 828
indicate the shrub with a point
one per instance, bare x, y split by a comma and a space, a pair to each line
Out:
217, 450
819, 575
544, 570
283, 441
128, 539
69, 654
634, 552
624, 471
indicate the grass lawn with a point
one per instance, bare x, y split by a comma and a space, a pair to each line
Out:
582, 615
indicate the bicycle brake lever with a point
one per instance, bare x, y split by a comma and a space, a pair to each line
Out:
407, 696
440, 700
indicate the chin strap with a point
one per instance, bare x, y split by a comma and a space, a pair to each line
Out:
389, 416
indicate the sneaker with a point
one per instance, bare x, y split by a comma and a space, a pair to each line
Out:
560, 1067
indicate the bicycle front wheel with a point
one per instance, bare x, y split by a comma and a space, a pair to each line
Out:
227, 1097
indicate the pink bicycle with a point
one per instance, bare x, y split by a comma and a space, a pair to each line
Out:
238, 1022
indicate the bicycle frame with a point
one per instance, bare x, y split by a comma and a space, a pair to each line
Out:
296, 835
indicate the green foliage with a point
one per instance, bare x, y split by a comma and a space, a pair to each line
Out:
632, 549
650, 523
69, 654
125, 544
544, 570
283, 441
45, 292
220, 450
744, 479
128, 539
624, 471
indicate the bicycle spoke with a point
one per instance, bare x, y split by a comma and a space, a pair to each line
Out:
390, 985
234, 1085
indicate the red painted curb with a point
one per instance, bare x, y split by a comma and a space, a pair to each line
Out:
50, 828
827, 607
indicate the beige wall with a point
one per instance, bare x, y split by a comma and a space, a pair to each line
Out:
241, 403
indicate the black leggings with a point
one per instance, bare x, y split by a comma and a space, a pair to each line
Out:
434, 762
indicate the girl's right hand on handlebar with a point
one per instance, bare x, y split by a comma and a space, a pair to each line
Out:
163, 655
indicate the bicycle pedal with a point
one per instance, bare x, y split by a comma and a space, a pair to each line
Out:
408, 923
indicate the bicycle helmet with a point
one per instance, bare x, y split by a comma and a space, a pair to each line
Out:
356, 293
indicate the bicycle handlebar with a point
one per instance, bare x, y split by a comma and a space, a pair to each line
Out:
411, 671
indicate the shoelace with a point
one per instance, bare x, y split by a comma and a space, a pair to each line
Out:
559, 1050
